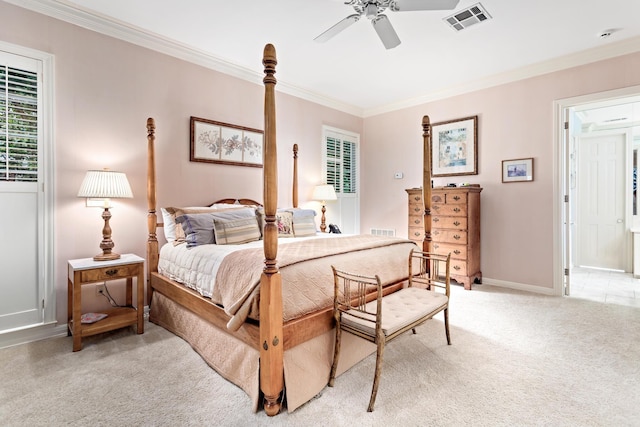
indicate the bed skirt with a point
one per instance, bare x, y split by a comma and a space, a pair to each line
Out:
306, 366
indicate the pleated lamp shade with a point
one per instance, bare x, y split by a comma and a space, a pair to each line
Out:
105, 184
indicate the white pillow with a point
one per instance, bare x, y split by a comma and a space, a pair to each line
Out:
169, 224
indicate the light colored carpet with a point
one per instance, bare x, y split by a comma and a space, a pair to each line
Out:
516, 359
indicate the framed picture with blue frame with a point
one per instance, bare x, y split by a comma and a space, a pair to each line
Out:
454, 147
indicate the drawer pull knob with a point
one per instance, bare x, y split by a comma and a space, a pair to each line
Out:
456, 267
417, 221
436, 246
436, 232
436, 219
416, 234
417, 198
456, 209
456, 223
457, 252
111, 272
457, 237
456, 198
416, 209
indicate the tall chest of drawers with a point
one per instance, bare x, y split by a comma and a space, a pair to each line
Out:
455, 228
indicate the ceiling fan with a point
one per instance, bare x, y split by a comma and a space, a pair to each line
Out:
374, 9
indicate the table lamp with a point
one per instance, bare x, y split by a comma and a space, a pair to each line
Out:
323, 193
105, 185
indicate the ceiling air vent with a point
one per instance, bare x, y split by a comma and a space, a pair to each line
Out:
467, 17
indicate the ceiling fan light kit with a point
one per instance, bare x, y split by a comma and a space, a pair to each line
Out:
374, 9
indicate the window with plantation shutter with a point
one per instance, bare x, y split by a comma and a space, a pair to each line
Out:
340, 169
18, 125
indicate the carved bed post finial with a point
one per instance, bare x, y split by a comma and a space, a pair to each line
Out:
426, 183
295, 175
271, 331
152, 219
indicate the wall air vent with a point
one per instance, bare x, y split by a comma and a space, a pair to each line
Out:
467, 17
383, 232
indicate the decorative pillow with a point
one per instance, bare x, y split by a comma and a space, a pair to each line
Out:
169, 223
299, 212
235, 231
198, 228
176, 212
304, 226
284, 222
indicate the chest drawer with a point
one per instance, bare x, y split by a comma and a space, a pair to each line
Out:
452, 222
450, 210
456, 251
449, 236
450, 198
416, 233
108, 273
458, 267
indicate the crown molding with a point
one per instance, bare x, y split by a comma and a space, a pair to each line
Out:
66, 11
73, 14
611, 50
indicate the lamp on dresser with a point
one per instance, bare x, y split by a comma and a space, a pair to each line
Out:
323, 193
105, 185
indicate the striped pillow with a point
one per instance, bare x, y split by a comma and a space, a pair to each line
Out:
235, 231
304, 226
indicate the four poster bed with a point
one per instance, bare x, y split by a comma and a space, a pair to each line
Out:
262, 315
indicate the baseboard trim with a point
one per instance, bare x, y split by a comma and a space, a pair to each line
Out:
518, 286
35, 333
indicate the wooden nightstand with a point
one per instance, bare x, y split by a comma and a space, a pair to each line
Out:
85, 271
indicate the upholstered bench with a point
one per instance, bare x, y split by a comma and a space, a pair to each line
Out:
388, 316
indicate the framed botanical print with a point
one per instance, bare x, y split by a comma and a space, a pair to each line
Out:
217, 142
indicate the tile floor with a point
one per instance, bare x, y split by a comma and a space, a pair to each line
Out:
610, 287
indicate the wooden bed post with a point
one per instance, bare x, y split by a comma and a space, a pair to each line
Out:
295, 175
152, 219
426, 183
271, 331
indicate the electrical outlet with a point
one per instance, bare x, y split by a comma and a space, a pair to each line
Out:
100, 290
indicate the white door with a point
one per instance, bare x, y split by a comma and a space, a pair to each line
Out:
603, 241
22, 219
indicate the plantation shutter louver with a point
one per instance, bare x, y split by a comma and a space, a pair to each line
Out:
18, 125
341, 164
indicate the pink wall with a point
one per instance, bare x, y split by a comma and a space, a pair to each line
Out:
104, 91
106, 88
515, 121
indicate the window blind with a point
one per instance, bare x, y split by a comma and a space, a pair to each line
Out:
18, 125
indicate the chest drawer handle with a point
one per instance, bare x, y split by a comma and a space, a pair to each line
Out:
457, 237
456, 209
456, 223
456, 267
416, 209
417, 221
436, 232
111, 272
417, 198
416, 234
436, 246
436, 219
436, 207
456, 198
457, 252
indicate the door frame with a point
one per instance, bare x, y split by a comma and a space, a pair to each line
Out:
561, 175
46, 199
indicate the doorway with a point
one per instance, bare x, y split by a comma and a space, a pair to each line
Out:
594, 141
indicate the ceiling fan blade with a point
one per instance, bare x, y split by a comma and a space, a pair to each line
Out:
340, 26
385, 31
409, 5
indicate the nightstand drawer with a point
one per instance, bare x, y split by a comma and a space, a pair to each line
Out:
108, 273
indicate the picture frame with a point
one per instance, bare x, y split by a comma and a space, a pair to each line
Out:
454, 147
517, 170
218, 142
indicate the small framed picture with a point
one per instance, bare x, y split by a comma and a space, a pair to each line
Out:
517, 170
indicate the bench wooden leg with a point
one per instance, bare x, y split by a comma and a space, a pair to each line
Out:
336, 354
376, 378
446, 325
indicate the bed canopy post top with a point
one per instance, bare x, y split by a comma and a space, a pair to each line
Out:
270, 169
